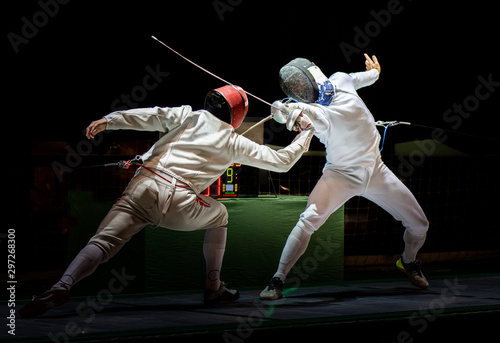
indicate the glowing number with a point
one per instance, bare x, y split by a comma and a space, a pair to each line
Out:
229, 174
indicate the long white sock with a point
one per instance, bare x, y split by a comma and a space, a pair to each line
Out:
295, 246
84, 264
214, 246
413, 243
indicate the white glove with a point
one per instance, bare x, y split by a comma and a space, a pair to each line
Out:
314, 113
292, 115
304, 123
298, 121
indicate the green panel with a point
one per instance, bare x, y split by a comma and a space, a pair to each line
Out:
257, 231
165, 260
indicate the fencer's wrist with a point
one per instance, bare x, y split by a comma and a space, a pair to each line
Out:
303, 122
308, 127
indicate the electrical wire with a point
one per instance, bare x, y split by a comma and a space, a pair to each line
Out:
209, 72
386, 125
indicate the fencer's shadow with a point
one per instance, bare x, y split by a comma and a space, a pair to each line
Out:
328, 298
134, 308
138, 307
295, 298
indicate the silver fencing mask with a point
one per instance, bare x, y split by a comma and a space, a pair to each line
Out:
303, 80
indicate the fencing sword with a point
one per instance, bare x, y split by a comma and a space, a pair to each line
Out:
221, 79
269, 117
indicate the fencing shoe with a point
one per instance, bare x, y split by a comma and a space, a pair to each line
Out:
45, 301
221, 296
273, 291
414, 273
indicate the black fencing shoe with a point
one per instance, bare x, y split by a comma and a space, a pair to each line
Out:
414, 273
43, 302
222, 296
273, 291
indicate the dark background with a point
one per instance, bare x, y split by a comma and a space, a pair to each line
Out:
88, 53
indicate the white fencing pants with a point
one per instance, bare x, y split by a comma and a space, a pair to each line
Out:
334, 188
151, 200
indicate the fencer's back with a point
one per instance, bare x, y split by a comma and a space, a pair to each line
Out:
196, 151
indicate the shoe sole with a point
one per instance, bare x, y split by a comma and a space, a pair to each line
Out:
37, 307
222, 299
400, 267
270, 298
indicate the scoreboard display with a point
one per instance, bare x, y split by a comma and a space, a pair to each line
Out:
237, 181
229, 181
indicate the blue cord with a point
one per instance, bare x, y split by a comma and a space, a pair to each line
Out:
383, 137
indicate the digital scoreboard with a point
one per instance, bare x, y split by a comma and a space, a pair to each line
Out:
226, 185
236, 181
229, 181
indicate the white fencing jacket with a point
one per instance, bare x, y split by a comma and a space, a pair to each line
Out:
197, 147
346, 127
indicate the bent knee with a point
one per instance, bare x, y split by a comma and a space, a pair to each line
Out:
109, 246
419, 226
312, 219
306, 226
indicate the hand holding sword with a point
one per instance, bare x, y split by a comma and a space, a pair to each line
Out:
289, 114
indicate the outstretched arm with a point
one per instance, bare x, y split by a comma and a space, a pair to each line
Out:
368, 77
260, 156
142, 119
